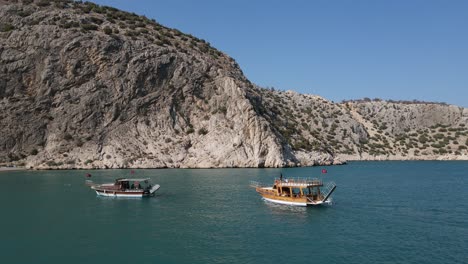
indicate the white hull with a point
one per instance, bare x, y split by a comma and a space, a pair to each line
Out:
127, 193
297, 203
285, 202
113, 194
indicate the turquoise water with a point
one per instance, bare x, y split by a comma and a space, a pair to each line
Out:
383, 212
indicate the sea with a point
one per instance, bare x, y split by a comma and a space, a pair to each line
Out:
382, 212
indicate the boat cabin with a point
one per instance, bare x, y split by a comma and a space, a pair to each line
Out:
298, 188
133, 184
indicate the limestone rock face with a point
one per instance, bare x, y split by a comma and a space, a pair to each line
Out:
75, 97
85, 86
411, 130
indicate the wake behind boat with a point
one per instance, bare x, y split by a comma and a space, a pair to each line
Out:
124, 187
297, 191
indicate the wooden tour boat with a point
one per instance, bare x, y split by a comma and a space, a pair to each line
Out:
124, 187
297, 191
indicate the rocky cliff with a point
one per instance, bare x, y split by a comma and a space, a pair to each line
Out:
411, 130
87, 86
368, 129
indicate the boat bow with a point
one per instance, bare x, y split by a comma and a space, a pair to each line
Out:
154, 188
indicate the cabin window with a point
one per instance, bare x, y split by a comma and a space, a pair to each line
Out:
296, 192
124, 185
286, 191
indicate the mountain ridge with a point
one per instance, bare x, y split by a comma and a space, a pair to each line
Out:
88, 86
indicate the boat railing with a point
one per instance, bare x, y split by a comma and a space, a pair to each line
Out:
328, 190
299, 181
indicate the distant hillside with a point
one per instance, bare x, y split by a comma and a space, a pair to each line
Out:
369, 129
88, 86
412, 130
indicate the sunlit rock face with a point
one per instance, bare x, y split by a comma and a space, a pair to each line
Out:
85, 86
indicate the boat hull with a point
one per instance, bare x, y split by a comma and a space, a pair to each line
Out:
285, 202
293, 201
108, 193
299, 203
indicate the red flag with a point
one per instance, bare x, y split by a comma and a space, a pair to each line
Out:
88, 175
324, 171
132, 172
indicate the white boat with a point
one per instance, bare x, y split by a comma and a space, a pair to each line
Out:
124, 187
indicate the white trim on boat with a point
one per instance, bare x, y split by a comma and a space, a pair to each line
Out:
112, 194
285, 202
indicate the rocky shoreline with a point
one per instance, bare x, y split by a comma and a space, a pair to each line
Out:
12, 169
337, 161
340, 160
403, 158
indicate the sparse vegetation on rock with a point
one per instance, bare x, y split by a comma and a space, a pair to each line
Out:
111, 89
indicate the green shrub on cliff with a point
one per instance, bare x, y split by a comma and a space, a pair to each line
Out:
70, 24
51, 163
423, 139
89, 26
202, 131
43, 3
107, 30
5, 27
222, 109
67, 137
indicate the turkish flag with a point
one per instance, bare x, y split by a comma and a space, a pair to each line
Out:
324, 171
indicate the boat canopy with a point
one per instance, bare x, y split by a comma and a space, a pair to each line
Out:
132, 180
298, 182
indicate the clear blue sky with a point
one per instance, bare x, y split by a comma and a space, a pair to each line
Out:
348, 49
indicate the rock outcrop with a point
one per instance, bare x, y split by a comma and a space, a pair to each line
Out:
368, 129
86, 86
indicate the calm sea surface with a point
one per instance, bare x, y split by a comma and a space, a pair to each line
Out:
383, 212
